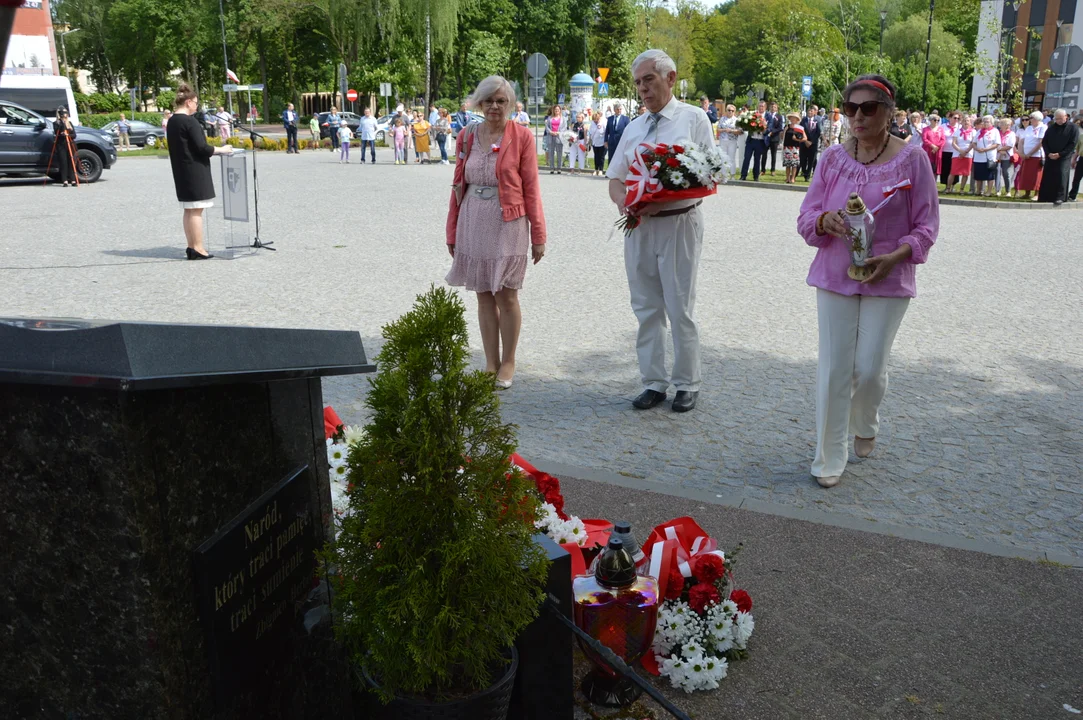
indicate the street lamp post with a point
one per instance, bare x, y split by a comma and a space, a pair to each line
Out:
225, 57
928, 43
64, 49
883, 21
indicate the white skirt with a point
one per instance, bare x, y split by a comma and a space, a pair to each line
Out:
197, 204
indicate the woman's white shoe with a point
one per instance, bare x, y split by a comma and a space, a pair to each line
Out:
829, 482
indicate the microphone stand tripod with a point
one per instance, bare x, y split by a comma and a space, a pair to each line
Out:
257, 243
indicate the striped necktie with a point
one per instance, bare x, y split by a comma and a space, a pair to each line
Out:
652, 127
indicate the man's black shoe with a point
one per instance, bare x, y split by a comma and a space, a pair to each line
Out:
1058, 202
648, 399
684, 400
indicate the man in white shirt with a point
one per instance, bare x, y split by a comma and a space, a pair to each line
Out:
661, 255
434, 115
366, 128
520, 117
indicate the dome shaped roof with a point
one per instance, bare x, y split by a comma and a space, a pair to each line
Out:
581, 79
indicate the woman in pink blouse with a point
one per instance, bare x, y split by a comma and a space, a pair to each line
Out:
932, 140
858, 320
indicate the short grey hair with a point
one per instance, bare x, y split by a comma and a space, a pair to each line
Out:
1036, 115
988, 118
1060, 111
663, 63
489, 87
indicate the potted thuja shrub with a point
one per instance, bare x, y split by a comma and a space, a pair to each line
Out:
436, 572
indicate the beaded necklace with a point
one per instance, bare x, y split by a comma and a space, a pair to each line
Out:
870, 162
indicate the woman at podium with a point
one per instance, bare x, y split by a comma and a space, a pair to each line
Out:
190, 158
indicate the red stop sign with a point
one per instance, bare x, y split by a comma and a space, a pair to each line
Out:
351, 95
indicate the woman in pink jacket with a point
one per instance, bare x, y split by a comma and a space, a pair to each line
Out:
932, 141
858, 319
495, 221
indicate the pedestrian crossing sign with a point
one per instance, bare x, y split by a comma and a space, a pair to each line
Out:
603, 89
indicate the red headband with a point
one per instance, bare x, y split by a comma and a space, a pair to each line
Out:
878, 86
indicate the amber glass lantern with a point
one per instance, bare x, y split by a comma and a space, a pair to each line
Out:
619, 608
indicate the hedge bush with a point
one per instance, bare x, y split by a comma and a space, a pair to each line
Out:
100, 120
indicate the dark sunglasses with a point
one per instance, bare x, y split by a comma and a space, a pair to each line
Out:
868, 109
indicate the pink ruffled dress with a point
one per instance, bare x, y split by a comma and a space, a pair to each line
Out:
490, 254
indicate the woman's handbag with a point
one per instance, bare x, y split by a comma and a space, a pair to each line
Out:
441, 136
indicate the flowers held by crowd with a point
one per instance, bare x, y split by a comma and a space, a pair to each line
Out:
751, 122
664, 173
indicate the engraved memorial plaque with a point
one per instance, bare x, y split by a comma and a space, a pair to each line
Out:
252, 578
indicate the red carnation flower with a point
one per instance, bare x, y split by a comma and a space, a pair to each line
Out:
673, 162
661, 148
546, 483
702, 594
742, 599
678, 149
674, 585
709, 568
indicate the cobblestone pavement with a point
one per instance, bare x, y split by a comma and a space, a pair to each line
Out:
982, 432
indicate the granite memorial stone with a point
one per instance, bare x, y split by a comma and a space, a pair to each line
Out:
152, 472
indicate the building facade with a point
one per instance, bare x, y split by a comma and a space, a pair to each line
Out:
32, 48
1018, 37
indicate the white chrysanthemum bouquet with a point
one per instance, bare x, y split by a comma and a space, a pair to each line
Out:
338, 451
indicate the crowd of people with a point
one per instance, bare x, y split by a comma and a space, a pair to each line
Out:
1030, 157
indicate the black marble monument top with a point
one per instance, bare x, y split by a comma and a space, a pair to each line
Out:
148, 356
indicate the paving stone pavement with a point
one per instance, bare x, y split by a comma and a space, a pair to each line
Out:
982, 430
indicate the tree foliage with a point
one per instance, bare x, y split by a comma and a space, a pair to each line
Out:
295, 46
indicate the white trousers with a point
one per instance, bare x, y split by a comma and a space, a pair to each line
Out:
661, 258
856, 334
729, 153
578, 156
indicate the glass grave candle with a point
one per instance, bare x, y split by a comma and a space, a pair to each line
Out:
859, 222
619, 608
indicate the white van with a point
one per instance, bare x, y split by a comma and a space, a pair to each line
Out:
41, 93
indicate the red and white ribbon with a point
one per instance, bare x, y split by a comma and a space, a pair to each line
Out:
641, 179
665, 552
890, 191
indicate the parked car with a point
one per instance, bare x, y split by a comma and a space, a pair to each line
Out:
382, 124
352, 121
142, 133
26, 146
456, 126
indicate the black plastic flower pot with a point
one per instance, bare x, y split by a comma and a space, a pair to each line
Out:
489, 704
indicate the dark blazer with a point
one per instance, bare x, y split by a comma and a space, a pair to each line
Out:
190, 157
775, 125
812, 130
286, 123
712, 114
614, 129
